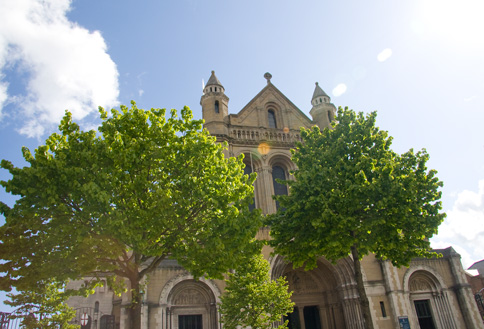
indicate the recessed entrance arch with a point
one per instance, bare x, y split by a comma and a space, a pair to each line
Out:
325, 297
429, 299
189, 304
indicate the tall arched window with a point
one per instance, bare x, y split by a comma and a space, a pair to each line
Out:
96, 307
217, 108
279, 189
248, 171
271, 116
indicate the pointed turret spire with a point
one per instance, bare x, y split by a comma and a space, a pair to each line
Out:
213, 84
323, 110
318, 92
215, 106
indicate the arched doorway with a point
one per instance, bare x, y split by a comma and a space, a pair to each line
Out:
325, 297
191, 304
430, 301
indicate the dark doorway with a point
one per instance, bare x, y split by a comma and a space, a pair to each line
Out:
107, 322
424, 314
293, 318
311, 317
190, 321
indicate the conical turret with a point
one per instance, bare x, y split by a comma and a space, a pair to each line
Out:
213, 85
323, 110
214, 106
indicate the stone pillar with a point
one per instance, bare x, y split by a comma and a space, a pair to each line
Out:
144, 316
352, 314
445, 312
393, 291
301, 317
161, 318
123, 321
324, 315
463, 292
267, 204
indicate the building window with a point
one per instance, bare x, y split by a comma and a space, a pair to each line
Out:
279, 189
96, 307
217, 108
329, 116
271, 116
383, 311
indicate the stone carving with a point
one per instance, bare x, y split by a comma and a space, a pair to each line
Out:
420, 284
189, 297
301, 282
256, 134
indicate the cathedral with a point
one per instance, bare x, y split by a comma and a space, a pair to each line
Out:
429, 294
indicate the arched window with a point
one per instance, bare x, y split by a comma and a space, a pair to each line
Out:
217, 108
271, 116
279, 189
96, 307
329, 116
248, 171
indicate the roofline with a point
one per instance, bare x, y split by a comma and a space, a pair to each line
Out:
269, 85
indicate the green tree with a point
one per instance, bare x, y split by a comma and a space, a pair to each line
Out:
118, 202
353, 195
46, 307
252, 299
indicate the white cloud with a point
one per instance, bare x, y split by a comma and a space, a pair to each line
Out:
463, 229
384, 55
141, 92
67, 66
339, 90
3, 96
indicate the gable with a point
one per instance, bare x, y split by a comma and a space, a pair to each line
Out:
256, 112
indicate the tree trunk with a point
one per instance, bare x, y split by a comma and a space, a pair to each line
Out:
135, 306
365, 304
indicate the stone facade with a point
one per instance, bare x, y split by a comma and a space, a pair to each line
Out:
431, 293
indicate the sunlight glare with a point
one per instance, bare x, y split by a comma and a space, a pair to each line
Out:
458, 22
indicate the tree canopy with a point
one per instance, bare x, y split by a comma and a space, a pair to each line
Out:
46, 307
119, 201
252, 299
353, 194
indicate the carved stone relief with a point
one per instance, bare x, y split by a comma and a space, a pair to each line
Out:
419, 284
189, 297
301, 282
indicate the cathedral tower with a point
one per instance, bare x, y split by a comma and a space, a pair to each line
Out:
323, 111
215, 106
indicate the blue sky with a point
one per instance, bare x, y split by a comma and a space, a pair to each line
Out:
419, 63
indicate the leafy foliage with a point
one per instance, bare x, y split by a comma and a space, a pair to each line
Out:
350, 189
353, 195
46, 307
252, 299
120, 201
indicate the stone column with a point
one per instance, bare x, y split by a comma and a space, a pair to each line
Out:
463, 291
161, 318
393, 289
445, 311
267, 204
144, 316
352, 314
301, 317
